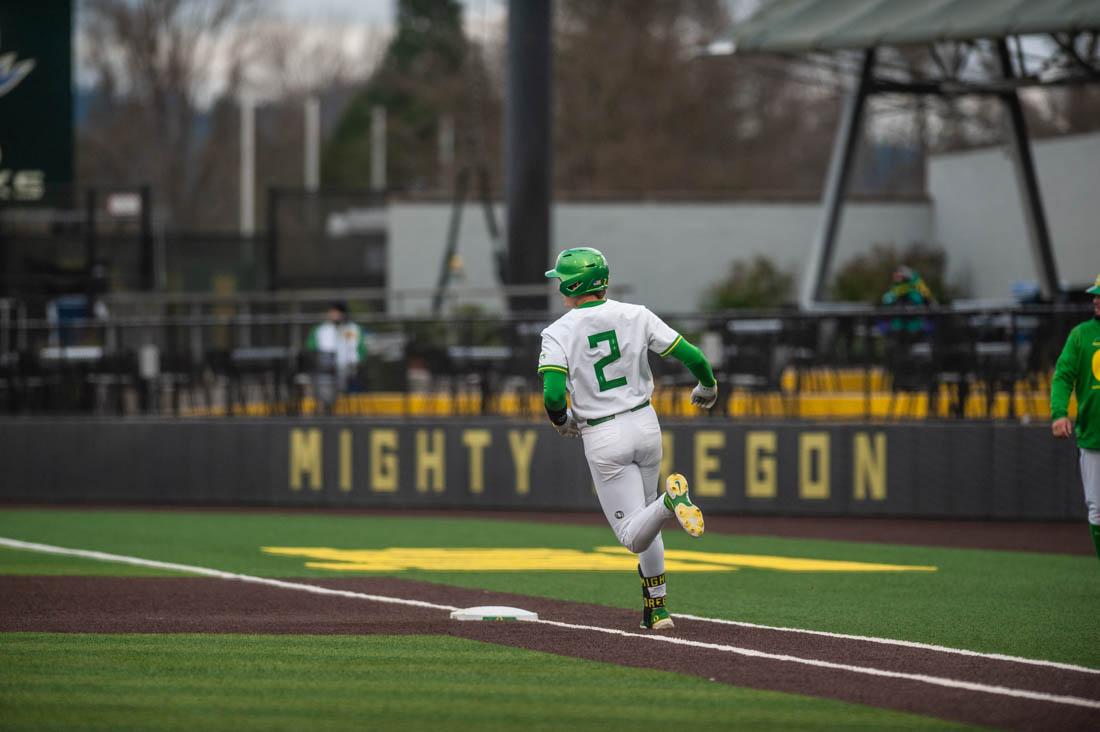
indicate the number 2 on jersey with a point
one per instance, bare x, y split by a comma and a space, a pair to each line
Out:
612, 341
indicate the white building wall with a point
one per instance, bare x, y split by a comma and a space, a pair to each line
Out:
978, 214
666, 253
669, 253
417, 241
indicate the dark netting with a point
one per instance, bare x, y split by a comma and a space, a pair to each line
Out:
328, 239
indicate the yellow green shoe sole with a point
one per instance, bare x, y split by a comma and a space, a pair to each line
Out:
686, 512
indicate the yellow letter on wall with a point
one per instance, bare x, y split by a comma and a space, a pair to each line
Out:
430, 459
476, 441
305, 457
706, 463
383, 461
869, 467
345, 460
760, 473
813, 447
523, 448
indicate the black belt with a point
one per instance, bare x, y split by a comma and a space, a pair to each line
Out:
601, 420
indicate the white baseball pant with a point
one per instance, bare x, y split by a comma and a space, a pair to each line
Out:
1090, 479
624, 457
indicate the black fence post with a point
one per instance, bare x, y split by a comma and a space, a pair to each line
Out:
91, 247
272, 238
1013, 366
148, 255
867, 360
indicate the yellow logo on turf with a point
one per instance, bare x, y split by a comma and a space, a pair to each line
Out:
529, 559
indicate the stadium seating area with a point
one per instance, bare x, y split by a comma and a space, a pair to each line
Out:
235, 360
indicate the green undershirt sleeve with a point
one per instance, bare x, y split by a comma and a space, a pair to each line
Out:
1065, 378
695, 361
553, 390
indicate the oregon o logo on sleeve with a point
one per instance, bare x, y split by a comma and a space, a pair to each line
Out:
1096, 365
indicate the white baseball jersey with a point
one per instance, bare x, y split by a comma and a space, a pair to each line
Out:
601, 348
345, 340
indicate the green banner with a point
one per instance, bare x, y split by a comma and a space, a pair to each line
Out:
36, 101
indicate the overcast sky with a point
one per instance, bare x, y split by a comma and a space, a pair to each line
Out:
358, 28
381, 12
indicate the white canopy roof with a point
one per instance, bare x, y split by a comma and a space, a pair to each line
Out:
799, 26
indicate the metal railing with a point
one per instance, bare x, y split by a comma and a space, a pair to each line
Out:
241, 355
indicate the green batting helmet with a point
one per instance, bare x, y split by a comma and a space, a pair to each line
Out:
582, 271
1094, 290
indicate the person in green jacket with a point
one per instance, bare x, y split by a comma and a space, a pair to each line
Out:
1078, 370
908, 289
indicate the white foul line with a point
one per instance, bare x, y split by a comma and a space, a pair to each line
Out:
316, 589
936, 680
902, 643
207, 572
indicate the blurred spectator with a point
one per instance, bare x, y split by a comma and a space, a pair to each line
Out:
909, 357
340, 346
418, 376
70, 320
1026, 292
908, 290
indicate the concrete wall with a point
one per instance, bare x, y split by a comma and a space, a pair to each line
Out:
700, 241
975, 213
978, 214
643, 241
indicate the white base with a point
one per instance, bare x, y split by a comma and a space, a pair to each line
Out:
494, 612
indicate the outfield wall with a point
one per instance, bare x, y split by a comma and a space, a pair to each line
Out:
969, 470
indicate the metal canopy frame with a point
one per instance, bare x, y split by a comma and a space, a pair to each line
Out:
1070, 69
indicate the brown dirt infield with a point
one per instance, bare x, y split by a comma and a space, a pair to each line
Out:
202, 605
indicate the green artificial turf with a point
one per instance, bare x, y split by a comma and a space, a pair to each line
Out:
17, 561
1033, 605
160, 682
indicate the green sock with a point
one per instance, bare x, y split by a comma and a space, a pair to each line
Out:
1095, 537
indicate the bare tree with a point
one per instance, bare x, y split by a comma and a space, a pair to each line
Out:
430, 72
169, 77
156, 63
292, 63
641, 109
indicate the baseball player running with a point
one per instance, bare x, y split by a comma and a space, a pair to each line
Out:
1078, 370
597, 352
